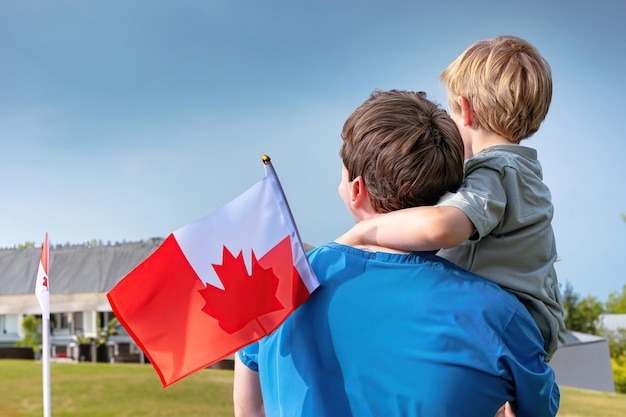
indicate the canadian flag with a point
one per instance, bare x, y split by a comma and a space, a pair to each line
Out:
217, 284
42, 288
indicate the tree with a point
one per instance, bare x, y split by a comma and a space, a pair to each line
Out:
588, 313
570, 301
616, 302
617, 343
581, 315
26, 245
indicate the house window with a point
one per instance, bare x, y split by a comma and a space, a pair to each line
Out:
60, 324
8, 325
85, 323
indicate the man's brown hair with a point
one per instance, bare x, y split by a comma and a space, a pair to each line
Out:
407, 149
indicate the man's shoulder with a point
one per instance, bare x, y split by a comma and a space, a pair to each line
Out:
323, 250
481, 287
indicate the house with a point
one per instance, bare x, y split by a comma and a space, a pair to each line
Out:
613, 322
81, 317
80, 314
584, 362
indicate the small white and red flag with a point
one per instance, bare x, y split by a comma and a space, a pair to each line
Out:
217, 284
42, 286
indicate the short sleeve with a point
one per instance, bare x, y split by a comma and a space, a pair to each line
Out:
481, 198
249, 356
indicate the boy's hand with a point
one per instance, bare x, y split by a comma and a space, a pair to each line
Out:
505, 411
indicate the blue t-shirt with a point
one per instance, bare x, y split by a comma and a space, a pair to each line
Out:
402, 335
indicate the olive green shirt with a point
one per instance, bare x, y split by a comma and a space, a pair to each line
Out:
504, 196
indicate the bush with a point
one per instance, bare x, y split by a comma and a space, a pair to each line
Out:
619, 373
32, 337
617, 342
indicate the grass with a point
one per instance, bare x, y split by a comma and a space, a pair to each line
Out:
585, 403
133, 390
102, 389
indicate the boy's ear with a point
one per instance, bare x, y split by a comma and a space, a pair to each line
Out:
466, 112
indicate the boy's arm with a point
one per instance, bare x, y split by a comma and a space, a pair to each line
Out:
414, 229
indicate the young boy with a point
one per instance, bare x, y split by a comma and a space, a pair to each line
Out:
498, 224
390, 333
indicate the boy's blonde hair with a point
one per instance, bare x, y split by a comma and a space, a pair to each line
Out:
507, 83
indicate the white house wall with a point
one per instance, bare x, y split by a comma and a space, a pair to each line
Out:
59, 303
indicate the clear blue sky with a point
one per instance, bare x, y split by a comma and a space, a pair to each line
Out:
124, 120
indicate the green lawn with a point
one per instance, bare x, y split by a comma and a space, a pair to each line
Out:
120, 390
128, 390
583, 403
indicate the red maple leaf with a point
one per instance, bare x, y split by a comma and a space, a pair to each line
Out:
244, 297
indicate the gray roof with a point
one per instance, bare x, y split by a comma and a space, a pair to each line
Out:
79, 275
72, 269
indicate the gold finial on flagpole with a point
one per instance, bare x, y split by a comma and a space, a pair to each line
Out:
266, 159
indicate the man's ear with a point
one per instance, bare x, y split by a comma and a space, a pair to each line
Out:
358, 193
466, 112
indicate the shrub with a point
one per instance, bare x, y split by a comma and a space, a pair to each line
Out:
619, 373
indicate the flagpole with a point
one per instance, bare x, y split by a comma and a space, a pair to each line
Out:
42, 292
300, 259
269, 167
45, 360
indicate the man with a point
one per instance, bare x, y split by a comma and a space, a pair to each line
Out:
389, 333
